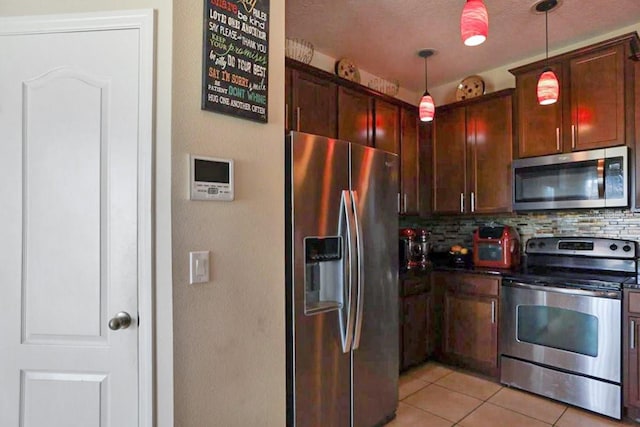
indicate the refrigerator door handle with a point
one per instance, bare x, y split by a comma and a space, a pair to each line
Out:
359, 272
346, 326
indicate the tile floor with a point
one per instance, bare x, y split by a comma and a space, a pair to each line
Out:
434, 395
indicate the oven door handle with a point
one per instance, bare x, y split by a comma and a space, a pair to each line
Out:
567, 290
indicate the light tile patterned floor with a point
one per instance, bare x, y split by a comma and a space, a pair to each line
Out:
435, 395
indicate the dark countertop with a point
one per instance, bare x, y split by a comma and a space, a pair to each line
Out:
443, 261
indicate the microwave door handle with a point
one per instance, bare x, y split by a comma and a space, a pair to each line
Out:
359, 272
600, 171
346, 325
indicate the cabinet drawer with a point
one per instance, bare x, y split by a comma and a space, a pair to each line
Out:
415, 286
634, 302
474, 284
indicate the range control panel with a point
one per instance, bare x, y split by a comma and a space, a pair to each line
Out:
587, 246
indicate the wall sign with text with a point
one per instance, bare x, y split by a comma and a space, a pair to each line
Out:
235, 58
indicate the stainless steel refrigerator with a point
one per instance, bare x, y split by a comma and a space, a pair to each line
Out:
342, 283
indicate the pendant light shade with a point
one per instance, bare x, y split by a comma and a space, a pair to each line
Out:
474, 23
548, 88
427, 108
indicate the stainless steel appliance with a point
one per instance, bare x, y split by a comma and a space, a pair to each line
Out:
561, 320
582, 179
342, 283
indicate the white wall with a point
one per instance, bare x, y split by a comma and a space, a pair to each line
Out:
229, 335
162, 147
500, 78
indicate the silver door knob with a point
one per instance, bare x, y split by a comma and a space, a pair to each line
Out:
121, 320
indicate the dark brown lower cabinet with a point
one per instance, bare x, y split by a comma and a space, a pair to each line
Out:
470, 320
416, 329
631, 353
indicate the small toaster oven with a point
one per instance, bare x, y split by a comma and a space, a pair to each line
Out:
496, 247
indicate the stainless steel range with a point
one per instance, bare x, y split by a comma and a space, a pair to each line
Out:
561, 328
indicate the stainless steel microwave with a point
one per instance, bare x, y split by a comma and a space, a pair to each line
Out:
583, 179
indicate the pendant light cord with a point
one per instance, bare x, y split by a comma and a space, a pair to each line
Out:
546, 32
426, 79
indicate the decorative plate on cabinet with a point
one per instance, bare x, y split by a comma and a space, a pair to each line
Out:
470, 87
346, 69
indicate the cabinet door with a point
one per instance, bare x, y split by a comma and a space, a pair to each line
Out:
597, 99
632, 373
314, 103
471, 331
449, 170
387, 126
409, 166
415, 330
539, 126
489, 148
355, 116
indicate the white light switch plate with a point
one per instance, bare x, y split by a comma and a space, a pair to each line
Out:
198, 267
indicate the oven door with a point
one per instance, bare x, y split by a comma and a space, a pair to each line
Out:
571, 329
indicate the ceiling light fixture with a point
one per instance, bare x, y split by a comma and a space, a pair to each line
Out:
548, 87
474, 23
427, 107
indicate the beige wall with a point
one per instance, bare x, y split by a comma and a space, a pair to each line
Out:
162, 147
229, 347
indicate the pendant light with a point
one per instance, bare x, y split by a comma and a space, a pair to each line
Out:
474, 23
548, 87
427, 107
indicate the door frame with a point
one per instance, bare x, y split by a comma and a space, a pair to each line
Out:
144, 21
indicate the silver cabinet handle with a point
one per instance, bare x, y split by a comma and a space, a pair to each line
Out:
461, 202
399, 210
122, 320
632, 335
573, 136
405, 203
493, 312
298, 119
558, 139
473, 202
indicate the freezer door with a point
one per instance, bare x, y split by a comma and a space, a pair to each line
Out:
374, 182
319, 370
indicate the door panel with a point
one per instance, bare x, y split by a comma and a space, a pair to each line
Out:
597, 99
374, 176
70, 131
449, 160
314, 103
322, 369
540, 129
355, 116
490, 134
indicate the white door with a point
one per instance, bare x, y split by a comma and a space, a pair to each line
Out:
70, 104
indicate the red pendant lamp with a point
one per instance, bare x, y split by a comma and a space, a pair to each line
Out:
548, 87
474, 23
427, 108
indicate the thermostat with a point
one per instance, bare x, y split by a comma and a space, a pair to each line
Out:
211, 178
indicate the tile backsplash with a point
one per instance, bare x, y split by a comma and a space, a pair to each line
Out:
612, 223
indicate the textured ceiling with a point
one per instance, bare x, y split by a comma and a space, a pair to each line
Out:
384, 36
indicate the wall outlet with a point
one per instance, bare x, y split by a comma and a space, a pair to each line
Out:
198, 267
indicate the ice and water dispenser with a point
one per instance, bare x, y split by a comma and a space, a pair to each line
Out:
324, 274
